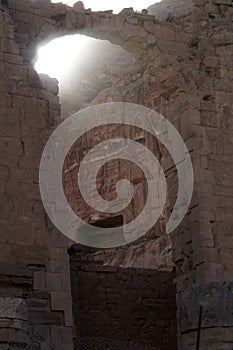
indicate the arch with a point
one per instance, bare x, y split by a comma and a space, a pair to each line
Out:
157, 45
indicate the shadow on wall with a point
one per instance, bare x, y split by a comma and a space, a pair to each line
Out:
122, 308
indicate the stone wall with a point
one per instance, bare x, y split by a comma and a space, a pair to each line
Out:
190, 58
134, 308
34, 268
211, 229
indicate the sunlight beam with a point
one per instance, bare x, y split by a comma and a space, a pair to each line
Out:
58, 57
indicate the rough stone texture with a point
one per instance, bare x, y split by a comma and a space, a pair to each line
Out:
33, 262
13, 320
150, 254
116, 76
133, 306
190, 58
216, 299
167, 10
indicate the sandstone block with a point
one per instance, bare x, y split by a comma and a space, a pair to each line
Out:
62, 301
216, 299
39, 280
13, 308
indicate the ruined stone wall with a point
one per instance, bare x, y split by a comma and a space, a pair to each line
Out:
212, 156
35, 299
190, 58
191, 62
122, 308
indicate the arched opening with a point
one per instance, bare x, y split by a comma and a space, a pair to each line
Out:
96, 71
101, 72
88, 71
60, 56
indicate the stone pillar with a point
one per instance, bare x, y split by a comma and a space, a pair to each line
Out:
207, 277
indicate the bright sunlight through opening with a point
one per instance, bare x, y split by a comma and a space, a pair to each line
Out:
57, 58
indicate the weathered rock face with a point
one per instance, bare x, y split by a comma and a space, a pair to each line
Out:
14, 321
190, 59
35, 300
116, 76
168, 10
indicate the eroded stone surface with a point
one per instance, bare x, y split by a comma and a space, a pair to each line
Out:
190, 61
13, 308
216, 299
13, 320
